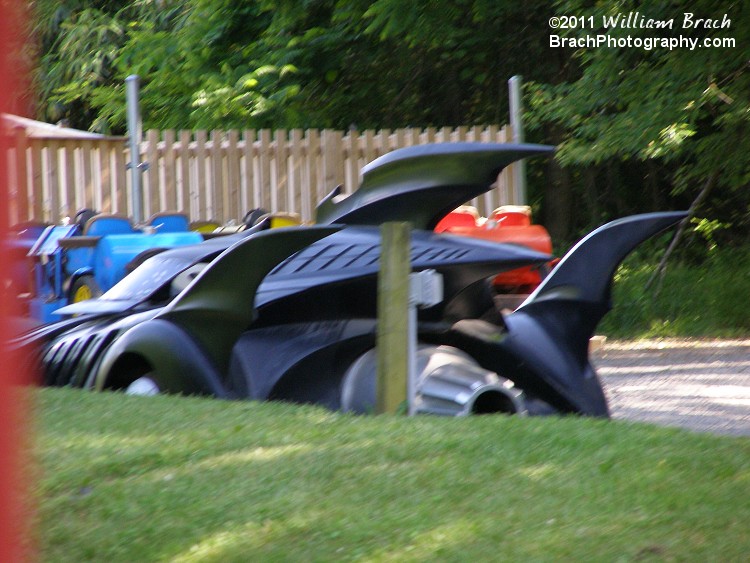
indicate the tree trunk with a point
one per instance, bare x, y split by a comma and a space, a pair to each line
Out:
592, 194
557, 196
661, 269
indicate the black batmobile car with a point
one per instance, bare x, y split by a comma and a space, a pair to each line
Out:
290, 314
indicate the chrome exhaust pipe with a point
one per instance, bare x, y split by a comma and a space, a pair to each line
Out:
449, 383
446, 392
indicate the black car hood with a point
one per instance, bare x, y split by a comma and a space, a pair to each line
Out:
346, 255
355, 252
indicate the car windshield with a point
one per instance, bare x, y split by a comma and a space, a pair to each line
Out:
147, 279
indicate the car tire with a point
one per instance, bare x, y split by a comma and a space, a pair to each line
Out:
83, 289
145, 385
253, 216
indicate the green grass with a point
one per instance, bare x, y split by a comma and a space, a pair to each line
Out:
710, 300
182, 479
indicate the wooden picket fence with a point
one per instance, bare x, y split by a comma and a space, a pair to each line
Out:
216, 175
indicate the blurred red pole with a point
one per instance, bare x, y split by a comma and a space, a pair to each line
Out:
15, 411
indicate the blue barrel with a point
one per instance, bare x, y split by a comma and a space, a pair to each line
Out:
114, 252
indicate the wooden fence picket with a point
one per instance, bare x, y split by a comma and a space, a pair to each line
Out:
121, 192
215, 175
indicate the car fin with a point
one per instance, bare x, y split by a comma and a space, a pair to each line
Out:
574, 297
220, 302
421, 184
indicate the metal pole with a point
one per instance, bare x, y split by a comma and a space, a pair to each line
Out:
516, 123
132, 84
425, 290
411, 351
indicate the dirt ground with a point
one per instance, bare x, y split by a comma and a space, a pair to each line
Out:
701, 385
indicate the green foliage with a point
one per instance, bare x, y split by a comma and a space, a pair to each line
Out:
204, 64
673, 118
687, 109
637, 129
185, 479
705, 299
707, 229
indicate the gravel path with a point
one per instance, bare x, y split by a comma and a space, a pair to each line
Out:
701, 385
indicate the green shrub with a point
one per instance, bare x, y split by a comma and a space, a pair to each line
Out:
710, 298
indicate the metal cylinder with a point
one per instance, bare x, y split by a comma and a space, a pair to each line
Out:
132, 85
449, 383
516, 123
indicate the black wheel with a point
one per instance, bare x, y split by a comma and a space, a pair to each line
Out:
84, 288
251, 217
131, 374
82, 217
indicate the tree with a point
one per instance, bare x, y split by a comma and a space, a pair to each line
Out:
681, 111
637, 128
318, 63
79, 43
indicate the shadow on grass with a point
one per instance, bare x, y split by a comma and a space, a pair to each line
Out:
164, 478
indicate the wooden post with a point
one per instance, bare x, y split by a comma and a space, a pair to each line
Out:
21, 200
120, 178
264, 169
393, 302
250, 192
231, 192
201, 186
53, 181
90, 176
294, 175
333, 159
183, 194
151, 197
351, 161
316, 186
168, 199
72, 190
279, 200
217, 177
